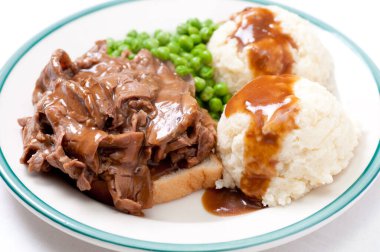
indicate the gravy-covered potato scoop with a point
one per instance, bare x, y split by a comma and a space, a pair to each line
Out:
281, 136
268, 41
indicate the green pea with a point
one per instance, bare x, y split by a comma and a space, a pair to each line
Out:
206, 57
182, 29
196, 38
118, 43
175, 38
128, 40
215, 116
199, 83
206, 72
123, 47
186, 43
195, 22
174, 47
163, 53
192, 30
196, 51
196, 63
109, 50
110, 43
173, 57
131, 56
210, 82
206, 34
156, 32
143, 36
179, 61
201, 46
221, 89
187, 56
138, 45
207, 93
133, 43
226, 98
214, 27
192, 71
154, 51
116, 53
182, 70
215, 104
135, 47
132, 34
207, 23
163, 38
151, 43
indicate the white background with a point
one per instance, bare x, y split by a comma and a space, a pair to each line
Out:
356, 230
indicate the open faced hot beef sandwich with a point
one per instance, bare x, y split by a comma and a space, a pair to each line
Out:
130, 132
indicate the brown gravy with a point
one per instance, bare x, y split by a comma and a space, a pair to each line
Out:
161, 169
99, 191
269, 51
270, 102
229, 202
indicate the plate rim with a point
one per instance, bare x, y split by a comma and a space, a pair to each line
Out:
33, 201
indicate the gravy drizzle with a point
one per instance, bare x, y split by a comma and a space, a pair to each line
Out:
269, 48
270, 102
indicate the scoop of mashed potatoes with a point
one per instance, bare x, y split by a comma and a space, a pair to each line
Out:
231, 59
319, 146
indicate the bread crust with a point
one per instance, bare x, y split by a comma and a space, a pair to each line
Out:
186, 181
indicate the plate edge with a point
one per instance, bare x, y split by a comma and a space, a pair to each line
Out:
375, 161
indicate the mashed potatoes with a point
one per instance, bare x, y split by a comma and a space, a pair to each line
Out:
310, 58
319, 147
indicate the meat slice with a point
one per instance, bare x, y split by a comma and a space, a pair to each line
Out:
59, 66
37, 145
128, 176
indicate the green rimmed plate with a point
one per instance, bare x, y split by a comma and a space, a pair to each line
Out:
180, 225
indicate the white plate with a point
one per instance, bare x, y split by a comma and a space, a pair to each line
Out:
182, 224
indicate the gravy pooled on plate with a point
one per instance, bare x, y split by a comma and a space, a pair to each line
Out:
229, 202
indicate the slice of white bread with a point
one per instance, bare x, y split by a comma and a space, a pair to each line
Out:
185, 181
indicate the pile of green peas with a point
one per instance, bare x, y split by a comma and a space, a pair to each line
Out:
186, 49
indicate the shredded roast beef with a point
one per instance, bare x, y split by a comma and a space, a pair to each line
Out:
109, 121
